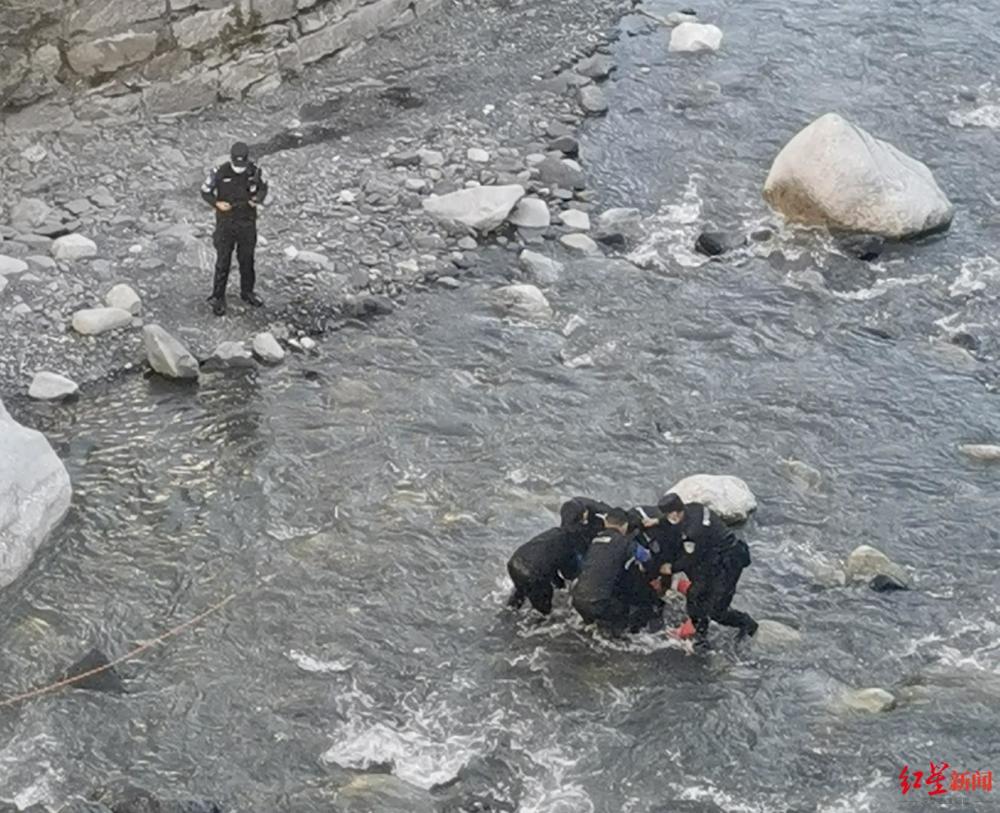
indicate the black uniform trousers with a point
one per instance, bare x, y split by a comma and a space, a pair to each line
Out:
527, 585
241, 234
709, 599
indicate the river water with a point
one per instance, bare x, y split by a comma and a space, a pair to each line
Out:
366, 498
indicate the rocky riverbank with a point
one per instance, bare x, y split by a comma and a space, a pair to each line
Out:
352, 152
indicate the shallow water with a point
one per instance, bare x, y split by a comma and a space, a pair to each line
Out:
365, 499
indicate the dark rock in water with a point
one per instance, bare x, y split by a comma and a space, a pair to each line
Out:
879, 332
965, 340
867, 247
373, 305
886, 584
134, 800
762, 235
715, 243
566, 145
107, 681
555, 173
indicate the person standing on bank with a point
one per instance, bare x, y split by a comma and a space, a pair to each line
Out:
235, 190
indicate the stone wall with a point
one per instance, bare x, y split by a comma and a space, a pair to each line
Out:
87, 60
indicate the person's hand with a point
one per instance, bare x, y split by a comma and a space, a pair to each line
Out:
684, 631
222, 206
650, 522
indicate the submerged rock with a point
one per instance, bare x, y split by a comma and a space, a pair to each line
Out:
618, 226
835, 174
866, 562
802, 474
715, 243
729, 497
774, 634
370, 792
981, 451
523, 301
483, 208
872, 700
886, 584
46, 386
107, 680
30, 467
694, 37
167, 355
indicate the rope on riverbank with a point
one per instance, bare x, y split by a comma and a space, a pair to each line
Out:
171, 633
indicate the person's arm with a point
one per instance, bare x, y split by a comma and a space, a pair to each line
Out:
209, 188
261, 184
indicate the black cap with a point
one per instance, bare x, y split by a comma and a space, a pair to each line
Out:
669, 503
239, 154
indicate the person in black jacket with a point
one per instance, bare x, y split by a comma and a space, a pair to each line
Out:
604, 592
235, 190
553, 557
713, 559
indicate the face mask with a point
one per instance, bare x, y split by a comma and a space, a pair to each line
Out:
239, 170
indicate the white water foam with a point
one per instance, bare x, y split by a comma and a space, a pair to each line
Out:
26, 775
986, 116
672, 233
974, 276
882, 287
310, 664
555, 791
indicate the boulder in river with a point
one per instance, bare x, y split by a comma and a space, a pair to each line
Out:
483, 208
774, 634
872, 700
728, 496
167, 355
866, 562
987, 452
539, 268
694, 37
523, 302
35, 494
618, 226
94, 321
802, 474
716, 243
267, 349
107, 680
124, 297
47, 386
593, 101
231, 354
575, 219
835, 174
531, 213
886, 584
580, 244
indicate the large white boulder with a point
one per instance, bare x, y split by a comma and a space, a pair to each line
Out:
73, 247
834, 174
866, 562
870, 700
775, 635
531, 213
989, 452
267, 349
94, 321
729, 497
482, 208
35, 494
523, 302
693, 37
167, 355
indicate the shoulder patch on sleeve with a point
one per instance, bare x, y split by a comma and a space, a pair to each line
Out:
706, 517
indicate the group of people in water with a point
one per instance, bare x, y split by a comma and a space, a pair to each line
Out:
622, 562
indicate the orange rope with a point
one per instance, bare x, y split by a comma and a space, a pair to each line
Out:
62, 684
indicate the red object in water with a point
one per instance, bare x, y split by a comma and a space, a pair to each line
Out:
685, 630
683, 585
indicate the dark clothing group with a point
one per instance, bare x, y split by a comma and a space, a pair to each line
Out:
622, 561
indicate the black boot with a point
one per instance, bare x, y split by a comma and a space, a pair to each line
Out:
218, 305
252, 299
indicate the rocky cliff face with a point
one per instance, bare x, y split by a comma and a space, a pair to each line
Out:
92, 60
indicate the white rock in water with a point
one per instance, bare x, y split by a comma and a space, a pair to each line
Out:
94, 321
593, 100
575, 219
46, 386
531, 213
693, 37
981, 451
827, 575
73, 247
803, 474
873, 700
574, 323
307, 343
167, 355
232, 354
866, 562
266, 348
540, 268
35, 494
523, 301
729, 497
580, 244
483, 208
775, 634
477, 155
618, 225
124, 297
11, 265
834, 174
